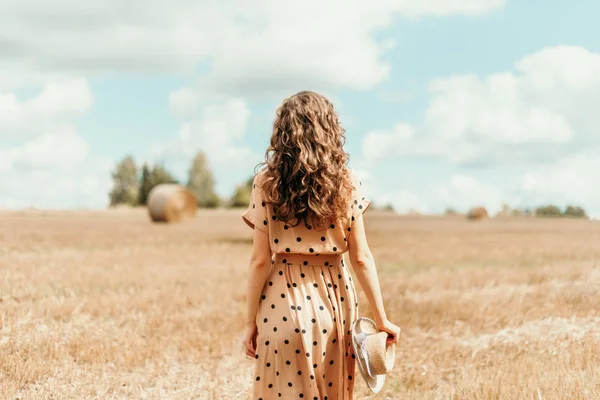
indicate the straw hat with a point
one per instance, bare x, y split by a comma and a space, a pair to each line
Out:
375, 356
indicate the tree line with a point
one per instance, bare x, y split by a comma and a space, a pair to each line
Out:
554, 211
546, 211
131, 185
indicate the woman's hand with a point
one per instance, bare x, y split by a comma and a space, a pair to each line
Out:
249, 339
394, 330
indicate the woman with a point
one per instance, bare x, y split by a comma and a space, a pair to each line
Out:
306, 210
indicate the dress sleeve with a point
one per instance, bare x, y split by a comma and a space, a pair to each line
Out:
360, 201
256, 213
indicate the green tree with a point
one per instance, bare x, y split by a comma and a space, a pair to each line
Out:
201, 182
388, 207
145, 184
160, 175
548, 211
575, 212
241, 197
517, 212
125, 183
152, 177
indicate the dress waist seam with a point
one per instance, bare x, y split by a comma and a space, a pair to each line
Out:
307, 259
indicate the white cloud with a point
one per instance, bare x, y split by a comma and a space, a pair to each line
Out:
217, 129
540, 121
58, 149
53, 171
570, 181
251, 50
85, 36
573, 180
379, 145
459, 191
538, 114
403, 201
54, 108
268, 38
492, 111
43, 160
445, 7
463, 192
43, 126
338, 51
81, 185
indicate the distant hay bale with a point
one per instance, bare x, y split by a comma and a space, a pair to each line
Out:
477, 214
170, 202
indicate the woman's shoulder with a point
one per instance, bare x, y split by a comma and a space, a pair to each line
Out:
360, 201
259, 176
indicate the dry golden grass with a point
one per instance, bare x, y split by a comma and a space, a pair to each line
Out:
108, 306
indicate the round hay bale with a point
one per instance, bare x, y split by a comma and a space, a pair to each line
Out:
170, 202
477, 214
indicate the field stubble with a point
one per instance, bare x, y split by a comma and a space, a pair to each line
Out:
106, 305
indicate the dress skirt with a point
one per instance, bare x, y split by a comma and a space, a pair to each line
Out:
303, 345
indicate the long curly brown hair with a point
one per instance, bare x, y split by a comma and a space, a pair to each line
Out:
306, 179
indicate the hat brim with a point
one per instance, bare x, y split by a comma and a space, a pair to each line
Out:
375, 383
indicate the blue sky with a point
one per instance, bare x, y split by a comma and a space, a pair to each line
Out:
446, 103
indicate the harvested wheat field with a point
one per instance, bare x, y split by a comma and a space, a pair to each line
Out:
107, 305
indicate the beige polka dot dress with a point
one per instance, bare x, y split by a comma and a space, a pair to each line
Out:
307, 307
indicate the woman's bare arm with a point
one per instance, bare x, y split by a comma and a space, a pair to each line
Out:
364, 267
258, 272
